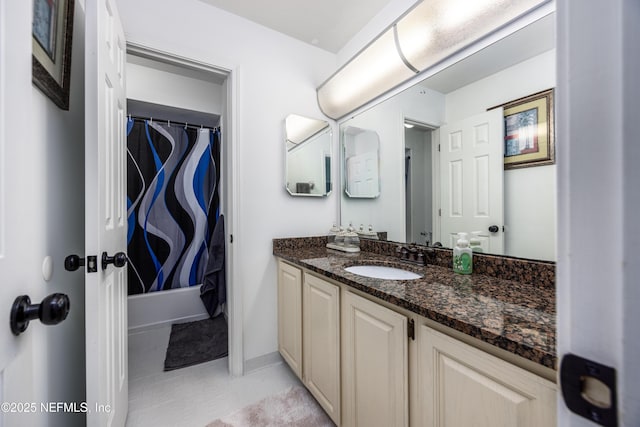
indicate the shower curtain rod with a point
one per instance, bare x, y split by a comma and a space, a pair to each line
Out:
171, 123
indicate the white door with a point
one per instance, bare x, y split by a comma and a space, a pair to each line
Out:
471, 168
105, 214
16, 261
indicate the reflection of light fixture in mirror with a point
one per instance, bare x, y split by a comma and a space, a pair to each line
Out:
429, 33
300, 129
408, 125
307, 168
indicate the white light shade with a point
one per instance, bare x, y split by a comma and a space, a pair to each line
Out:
436, 29
432, 31
371, 73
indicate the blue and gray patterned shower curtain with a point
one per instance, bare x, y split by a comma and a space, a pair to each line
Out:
172, 203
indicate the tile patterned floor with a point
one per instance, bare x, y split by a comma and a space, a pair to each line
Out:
192, 396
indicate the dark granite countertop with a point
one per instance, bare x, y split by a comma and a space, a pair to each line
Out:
514, 316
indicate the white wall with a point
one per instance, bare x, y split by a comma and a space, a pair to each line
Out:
277, 76
387, 212
530, 193
145, 82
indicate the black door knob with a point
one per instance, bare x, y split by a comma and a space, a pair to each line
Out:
118, 260
73, 262
52, 310
493, 229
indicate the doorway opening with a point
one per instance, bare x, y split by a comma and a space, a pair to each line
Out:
420, 177
178, 92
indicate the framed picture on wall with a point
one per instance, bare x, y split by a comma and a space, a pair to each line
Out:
51, 47
529, 131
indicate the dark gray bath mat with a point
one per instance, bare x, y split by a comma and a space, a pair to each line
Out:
196, 342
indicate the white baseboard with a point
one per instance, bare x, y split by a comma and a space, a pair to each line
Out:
262, 362
146, 311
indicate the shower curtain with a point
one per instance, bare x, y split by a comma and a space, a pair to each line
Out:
172, 203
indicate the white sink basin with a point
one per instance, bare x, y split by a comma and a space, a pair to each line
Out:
382, 272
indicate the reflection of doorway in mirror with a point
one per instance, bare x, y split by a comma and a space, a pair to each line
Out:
418, 183
327, 173
407, 194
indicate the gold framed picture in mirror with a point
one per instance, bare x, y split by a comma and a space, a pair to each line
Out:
529, 131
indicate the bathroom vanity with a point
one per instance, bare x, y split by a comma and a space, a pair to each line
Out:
439, 350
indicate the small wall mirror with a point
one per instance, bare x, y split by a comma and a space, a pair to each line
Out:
308, 156
361, 148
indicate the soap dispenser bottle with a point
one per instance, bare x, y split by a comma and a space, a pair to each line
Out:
333, 232
351, 239
462, 255
475, 243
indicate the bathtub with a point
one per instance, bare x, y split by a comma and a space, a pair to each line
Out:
165, 307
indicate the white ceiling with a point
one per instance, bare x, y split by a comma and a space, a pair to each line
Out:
328, 24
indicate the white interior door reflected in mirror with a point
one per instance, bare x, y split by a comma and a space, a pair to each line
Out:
308, 156
471, 179
361, 163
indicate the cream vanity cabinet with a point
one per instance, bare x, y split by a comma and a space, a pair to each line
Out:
460, 385
354, 356
309, 333
321, 342
375, 364
290, 315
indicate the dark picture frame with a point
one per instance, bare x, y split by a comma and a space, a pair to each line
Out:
52, 41
529, 134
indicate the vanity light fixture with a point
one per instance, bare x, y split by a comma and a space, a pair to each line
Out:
429, 33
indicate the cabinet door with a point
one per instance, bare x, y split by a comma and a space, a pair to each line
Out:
321, 343
460, 385
290, 316
375, 387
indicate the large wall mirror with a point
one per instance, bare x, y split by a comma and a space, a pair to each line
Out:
427, 194
308, 156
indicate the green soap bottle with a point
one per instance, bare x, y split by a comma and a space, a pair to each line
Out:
462, 256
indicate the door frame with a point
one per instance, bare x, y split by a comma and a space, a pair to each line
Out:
230, 175
599, 83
